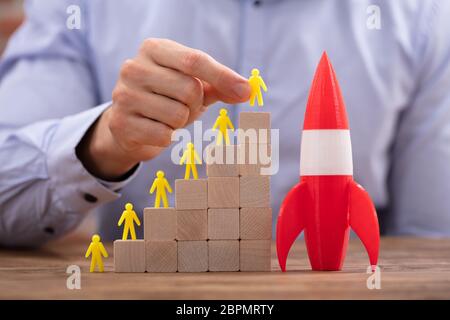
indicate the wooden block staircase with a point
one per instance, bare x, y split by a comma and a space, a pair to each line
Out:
222, 223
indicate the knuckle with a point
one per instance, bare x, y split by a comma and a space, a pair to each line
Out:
180, 116
164, 139
167, 140
122, 95
192, 91
150, 44
130, 69
191, 60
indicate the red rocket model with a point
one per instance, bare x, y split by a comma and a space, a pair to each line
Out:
327, 202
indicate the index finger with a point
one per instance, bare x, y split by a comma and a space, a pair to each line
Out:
200, 65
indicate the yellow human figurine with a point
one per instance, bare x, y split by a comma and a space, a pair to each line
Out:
190, 158
96, 250
160, 184
223, 122
256, 83
130, 217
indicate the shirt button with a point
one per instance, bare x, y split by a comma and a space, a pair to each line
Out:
90, 198
257, 3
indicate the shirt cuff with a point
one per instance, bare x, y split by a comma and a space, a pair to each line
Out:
118, 185
74, 188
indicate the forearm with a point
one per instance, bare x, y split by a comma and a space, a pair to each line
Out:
45, 190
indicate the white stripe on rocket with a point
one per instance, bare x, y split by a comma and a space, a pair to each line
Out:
326, 152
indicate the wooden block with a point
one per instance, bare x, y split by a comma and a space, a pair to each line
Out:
254, 191
221, 161
192, 256
223, 192
254, 127
253, 157
192, 224
223, 224
251, 169
223, 255
161, 256
160, 224
129, 256
255, 255
255, 223
191, 194
254, 153
254, 120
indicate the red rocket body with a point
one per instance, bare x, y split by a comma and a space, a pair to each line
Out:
327, 202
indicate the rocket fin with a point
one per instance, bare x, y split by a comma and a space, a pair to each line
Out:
364, 221
291, 220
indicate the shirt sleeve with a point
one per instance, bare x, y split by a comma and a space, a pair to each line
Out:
47, 103
420, 177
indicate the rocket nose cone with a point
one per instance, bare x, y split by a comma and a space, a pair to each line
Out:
325, 108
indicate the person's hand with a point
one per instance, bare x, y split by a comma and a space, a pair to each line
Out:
165, 87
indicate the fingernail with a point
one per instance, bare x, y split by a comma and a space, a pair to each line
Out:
241, 90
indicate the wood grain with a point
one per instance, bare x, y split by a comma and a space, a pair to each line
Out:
255, 223
223, 255
253, 157
255, 255
412, 268
161, 256
192, 256
223, 192
254, 192
192, 224
221, 161
191, 194
223, 224
160, 224
254, 124
254, 120
129, 256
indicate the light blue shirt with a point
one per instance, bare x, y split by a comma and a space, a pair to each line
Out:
55, 82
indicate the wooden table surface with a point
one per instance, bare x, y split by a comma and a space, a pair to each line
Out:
411, 268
